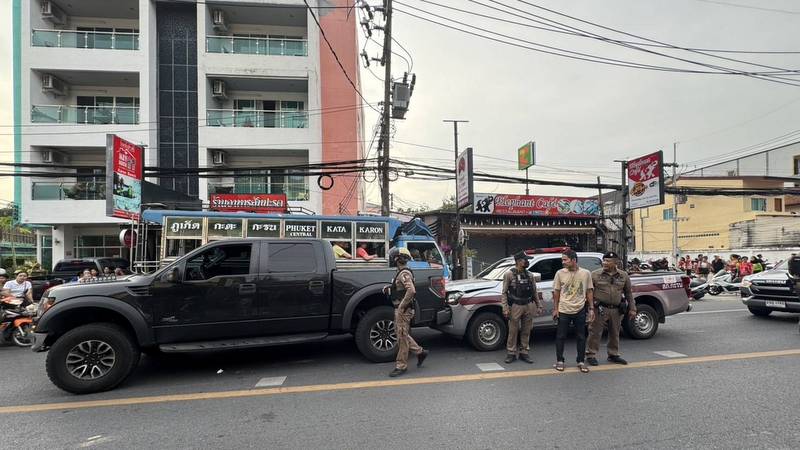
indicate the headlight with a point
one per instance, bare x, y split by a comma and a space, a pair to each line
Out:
454, 297
44, 304
746, 283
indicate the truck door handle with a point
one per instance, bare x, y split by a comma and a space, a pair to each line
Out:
316, 286
247, 288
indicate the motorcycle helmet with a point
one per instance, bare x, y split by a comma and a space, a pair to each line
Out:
398, 254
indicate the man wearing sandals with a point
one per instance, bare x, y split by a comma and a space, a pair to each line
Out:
610, 284
572, 298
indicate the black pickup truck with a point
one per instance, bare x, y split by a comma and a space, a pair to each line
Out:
230, 294
67, 270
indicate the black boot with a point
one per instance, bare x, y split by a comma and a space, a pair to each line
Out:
421, 357
510, 358
525, 358
397, 372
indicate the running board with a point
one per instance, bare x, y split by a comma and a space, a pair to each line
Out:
232, 344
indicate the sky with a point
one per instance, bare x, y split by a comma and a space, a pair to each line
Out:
584, 115
6, 117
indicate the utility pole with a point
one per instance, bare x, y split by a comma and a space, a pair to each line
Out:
387, 100
675, 248
457, 252
602, 226
624, 237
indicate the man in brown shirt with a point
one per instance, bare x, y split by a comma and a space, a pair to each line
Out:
610, 285
518, 299
402, 292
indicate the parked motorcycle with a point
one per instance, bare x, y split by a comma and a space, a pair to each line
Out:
16, 322
723, 282
698, 288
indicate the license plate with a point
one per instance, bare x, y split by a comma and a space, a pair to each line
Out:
771, 304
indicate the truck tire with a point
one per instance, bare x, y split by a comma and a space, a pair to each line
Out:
760, 312
375, 336
106, 350
645, 325
487, 332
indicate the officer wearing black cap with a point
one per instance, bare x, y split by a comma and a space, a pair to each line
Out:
518, 300
614, 299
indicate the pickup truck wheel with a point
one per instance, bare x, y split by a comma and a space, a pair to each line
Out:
714, 290
487, 332
760, 312
644, 325
92, 358
375, 336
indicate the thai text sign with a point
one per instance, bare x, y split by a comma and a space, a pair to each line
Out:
646, 181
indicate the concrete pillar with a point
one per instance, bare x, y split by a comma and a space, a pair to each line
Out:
63, 242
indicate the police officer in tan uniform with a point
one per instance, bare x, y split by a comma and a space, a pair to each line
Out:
520, 304
613, 299
402, 292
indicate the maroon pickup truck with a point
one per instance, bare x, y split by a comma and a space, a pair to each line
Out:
477, 313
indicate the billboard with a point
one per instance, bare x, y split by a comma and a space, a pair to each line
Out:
464, 188
526, 156
259, 203
535, 205
646, 181
124, 167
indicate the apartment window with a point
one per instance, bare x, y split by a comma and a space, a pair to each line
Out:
107, 109
263, 182
105, 37
758, 204
668, 214
797, 165
778, 205
46, 244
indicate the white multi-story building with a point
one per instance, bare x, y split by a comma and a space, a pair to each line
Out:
238, 85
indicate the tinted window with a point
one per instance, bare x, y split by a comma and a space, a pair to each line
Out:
288, 257
589, 263
547, 267
75, 266
425, 252
217, 261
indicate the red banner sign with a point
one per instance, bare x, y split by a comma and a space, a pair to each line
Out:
259, 203
535, 205
124, 167
646, 181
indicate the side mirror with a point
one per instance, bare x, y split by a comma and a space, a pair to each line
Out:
537, 277
173, 276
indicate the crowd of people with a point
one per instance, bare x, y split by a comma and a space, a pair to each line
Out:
704, 266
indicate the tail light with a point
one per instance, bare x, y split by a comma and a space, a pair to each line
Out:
687, 286
438, 287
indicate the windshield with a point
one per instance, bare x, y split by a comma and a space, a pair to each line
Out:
495, 271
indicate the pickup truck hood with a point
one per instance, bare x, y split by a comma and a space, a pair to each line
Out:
770, 275
471, 285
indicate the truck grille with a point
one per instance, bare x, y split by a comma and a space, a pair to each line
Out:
773, 289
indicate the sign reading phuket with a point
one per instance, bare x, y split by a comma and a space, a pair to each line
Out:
535, 205
646, 181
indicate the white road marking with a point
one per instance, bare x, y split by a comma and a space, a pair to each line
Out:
707, 312
95, 440
670, 354
490, 367
271, 382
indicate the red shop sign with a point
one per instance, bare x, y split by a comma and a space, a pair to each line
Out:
260, 203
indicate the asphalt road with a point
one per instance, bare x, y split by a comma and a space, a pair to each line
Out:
710, 386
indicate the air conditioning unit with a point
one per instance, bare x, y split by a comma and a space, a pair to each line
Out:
218, 20
218, 89
52, 85
53, 157
52, 13
218, 158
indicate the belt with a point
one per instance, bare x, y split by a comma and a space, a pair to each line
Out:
606, 305
519, 302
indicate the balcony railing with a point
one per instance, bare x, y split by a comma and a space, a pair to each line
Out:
92, 115
256, 46
294, 191
256, 118
85, 39
49, 190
